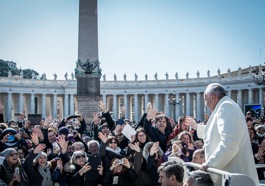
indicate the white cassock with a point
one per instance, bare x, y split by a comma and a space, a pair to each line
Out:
226, 140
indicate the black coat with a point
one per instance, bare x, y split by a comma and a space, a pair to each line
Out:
125, 178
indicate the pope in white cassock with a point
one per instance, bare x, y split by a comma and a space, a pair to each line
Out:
226, 139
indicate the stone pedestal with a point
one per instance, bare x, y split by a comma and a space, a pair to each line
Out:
88, 95
87, 105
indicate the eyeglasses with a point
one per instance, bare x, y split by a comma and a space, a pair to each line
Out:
80, 156
112, 142
13, 154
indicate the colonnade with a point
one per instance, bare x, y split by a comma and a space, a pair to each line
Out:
174, 98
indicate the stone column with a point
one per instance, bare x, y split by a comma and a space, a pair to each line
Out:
115, 110
21, 102
157, 102
32, 104
250, 96
187, 104
177, 114
72, 105
167, 106
54, 106
66, 106
239, 98
261, 97
127, 109
229, 93
198, 106
145, 101
136, 111
9, 106
43, 106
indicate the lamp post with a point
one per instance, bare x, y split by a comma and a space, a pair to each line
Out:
173, 103
259, 75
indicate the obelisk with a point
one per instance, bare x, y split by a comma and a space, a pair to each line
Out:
87, 70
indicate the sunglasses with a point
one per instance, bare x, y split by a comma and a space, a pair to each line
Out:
13, 154
112, 142
81, 156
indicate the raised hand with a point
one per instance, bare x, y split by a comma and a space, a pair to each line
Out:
132, 138
63, 144
135, 146
102, 137
114, 164
79, 117
39, 148
34, 137
151, 114
102, 106
149, 107
16, 177
96, 118
126, 163
47, 121
84, 169
38, 132
189, 121
154, 149
100, 169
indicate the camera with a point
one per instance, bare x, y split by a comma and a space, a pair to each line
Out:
120, 162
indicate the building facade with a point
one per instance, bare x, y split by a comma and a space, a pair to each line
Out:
175, 97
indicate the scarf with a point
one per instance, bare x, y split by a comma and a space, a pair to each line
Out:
8, 171
260, 135
46, 174
117, 150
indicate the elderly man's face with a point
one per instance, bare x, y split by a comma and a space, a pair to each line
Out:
78, 147
93, 148
210, 101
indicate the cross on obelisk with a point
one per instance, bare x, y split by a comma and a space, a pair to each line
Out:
87, 70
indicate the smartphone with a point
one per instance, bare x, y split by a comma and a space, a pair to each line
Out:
94, 161
17, 170
11, 138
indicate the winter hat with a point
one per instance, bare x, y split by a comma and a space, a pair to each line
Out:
146, 150
258, 127
10, 131
7, 151
119, 122
10, 121
39, 155
64, 131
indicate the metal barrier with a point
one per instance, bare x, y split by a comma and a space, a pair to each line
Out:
261, 182
228, 179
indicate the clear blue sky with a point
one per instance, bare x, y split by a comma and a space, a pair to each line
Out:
136, 36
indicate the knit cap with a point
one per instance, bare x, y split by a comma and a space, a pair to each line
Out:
64, 131
39, 155
7, 151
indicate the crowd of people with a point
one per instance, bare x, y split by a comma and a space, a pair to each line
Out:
63, 152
